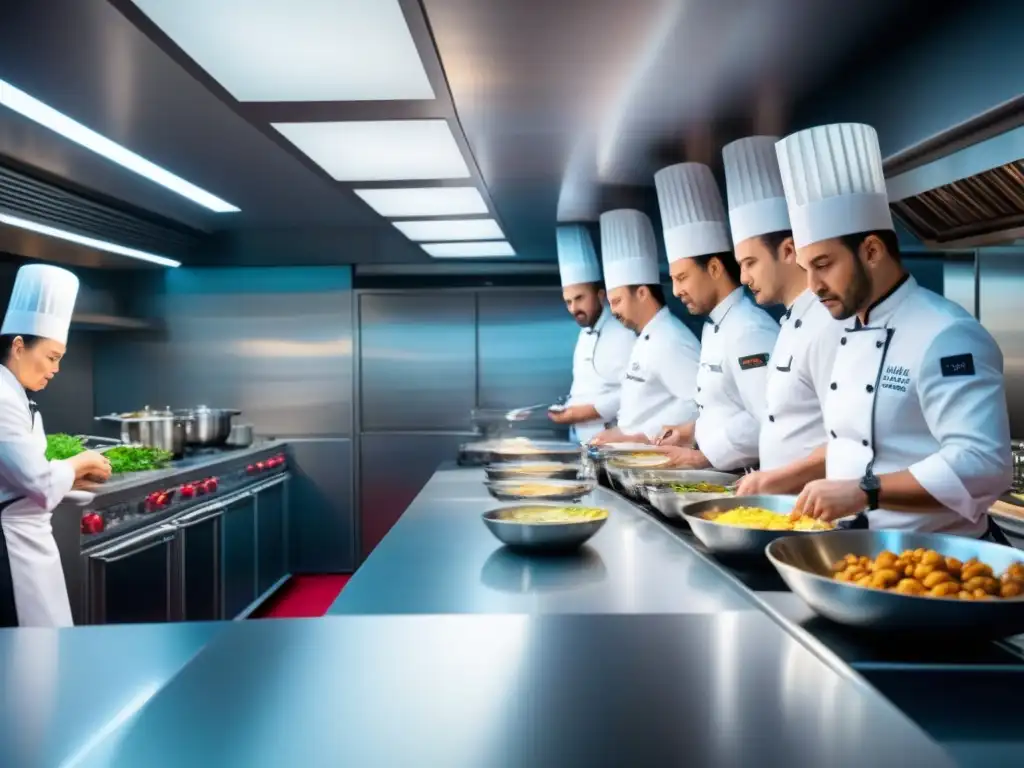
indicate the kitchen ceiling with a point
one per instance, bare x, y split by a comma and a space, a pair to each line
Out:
559, 110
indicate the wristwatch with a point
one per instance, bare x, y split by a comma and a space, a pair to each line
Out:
871, 485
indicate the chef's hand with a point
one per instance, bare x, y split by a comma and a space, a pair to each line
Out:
90, 465
569, 415
757, 483
830, 500
612, 435
669, 436
684, 458
85, 485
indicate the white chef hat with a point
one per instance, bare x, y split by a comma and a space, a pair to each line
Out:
42, 303
753, 184
834, 182
577, 259
628, 249
692, 213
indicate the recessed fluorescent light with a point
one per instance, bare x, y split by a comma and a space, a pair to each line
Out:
48, 117
380, 150
424, 201
91, 242
298, 50
450, 229
469, 250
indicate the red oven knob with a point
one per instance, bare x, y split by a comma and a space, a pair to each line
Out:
260, 466
251, 469
210, 485
91, 523
187, 491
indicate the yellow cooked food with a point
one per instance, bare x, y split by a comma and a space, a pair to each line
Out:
927, 573
764, 519
526, 469
645, 459
560, 515
538, 489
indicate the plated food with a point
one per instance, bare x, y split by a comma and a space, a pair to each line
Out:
762, 519
522, 471
540, 488
551, 514
927, 573
639, 460
701, 488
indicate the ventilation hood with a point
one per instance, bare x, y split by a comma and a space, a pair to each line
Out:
968, 192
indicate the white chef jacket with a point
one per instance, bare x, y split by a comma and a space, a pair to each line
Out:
40, 592
920, 387
659, 385
736, 344
598, 366
798, 377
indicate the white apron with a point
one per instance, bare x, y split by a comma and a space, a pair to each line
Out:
40, 592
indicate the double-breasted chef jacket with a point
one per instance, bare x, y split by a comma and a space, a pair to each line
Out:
736, 345
599, 364
30, 488
919, 386
798, 378
660, 383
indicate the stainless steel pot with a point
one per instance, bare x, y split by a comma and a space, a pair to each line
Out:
208, 426
155, 429
241, 435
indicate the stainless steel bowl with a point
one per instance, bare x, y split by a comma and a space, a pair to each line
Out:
533, 470
731, 539
505, 450
208, 426
804, 562
645, 481
540, 537
561, 490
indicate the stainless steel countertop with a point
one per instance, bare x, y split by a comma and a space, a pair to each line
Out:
730, 689
67, 692
440, 558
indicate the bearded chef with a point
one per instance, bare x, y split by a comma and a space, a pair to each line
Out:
33, 340
604, 344
661, 378
919, 436
738, 336
791, 446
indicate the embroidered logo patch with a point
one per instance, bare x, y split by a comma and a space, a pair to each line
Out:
896, 378
957, 365
753, 361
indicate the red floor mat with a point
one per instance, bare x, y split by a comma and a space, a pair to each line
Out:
303, 597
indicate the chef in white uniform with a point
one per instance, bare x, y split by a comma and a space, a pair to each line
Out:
738, 336
604, 344
33, 340
661, 379
792, 443
916, 409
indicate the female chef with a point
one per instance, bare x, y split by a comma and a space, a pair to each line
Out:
33, 340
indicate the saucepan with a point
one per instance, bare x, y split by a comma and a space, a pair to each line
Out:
207, 426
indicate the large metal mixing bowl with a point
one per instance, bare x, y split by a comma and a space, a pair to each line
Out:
805, 563
560, 490
540, 537
732, 539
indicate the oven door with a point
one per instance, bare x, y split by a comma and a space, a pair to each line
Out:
134, 580
199, 541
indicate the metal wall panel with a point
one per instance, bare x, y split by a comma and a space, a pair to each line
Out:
393, 468
321, 506
417, 359
958, 282
999, 294
526, 342
275, 343
66, 403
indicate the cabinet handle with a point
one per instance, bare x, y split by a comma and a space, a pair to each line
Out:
136, 544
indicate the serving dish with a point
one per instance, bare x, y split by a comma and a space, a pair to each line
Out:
532, 489
724, 539
511, 449
525, 470
805, 564
540, 536
655, 488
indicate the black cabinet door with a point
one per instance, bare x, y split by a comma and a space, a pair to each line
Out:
238, 556
271, 536
136, 586
201, 570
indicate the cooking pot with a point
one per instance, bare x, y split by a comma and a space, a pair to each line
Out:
240, 436
164, 429
208, 426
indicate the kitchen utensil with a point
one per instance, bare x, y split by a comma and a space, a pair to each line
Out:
208, 426
805, 564
732, 539
561, 490
521, 414
164, 429
530, 470
540, 537
241, 436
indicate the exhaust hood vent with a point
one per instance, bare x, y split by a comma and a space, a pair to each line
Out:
973, 196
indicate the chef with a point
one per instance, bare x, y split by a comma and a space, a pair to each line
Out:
919, 436
738, 336
603, 346
33, 340
791, 446
660, 381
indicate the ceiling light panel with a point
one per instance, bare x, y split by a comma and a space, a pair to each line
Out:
89, 242
434, 230
469, 250
424, 201
298, 50
48, 117
380, 150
